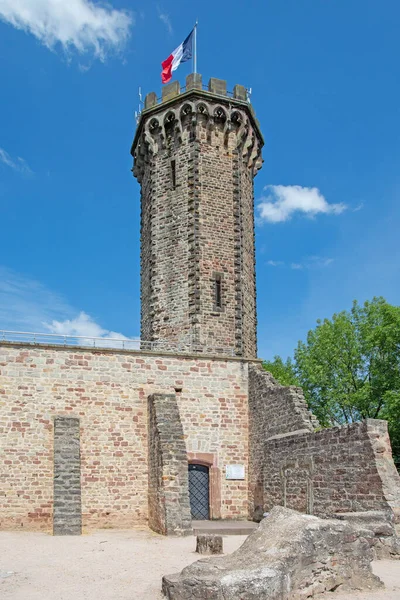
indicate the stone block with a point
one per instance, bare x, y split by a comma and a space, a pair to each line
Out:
67, 516
290, 556
193, 82
217, 86
239, 92
378, 528
209, 544
169, 506
171, 90
150, 100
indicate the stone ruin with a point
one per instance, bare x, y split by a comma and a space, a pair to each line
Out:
99, 437
291, 556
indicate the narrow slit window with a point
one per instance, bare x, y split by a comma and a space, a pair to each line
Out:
218, 291
173, 174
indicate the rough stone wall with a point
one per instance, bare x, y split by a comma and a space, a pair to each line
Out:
379, 438
199, 226
273, 409
67, 518
248, 261
108, 391
226, 214
146, 256
169, 505
164, 246
217, 242
330, 471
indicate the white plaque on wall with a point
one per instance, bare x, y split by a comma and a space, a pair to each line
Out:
234, 471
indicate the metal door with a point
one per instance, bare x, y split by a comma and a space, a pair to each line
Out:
199, 491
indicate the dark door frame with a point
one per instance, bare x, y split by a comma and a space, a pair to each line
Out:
210, 460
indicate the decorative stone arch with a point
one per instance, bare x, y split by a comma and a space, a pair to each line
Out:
202, 109
210, 460
220, 114
170, 117
187, 110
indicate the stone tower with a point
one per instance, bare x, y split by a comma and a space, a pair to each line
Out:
196, 153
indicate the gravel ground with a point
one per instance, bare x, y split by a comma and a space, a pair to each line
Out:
117, 565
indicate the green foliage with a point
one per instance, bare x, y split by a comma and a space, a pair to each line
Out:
285, 373
349, 367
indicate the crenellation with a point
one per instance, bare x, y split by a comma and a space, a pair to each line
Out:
194, 82
217, 86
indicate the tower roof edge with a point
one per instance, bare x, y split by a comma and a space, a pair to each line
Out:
216, 91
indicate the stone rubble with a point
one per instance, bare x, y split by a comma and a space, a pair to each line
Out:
378, 528
209, 544
290, 556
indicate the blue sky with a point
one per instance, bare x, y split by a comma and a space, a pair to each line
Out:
325, 87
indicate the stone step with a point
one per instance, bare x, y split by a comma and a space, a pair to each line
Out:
224, 527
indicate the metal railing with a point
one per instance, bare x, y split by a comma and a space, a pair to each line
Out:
204, 88
185, 346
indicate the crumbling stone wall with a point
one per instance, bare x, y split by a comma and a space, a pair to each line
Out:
390, 478
273, 409
332, 471
291, 463
169, 505
107, 391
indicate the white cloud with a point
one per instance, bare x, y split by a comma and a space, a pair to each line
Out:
28, 305
83, 326
164, 17
167, 22
275, 263
283, 201
25, 304
325, 262
18, 164
312, 262
74, 24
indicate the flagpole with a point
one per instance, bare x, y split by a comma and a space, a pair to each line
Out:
195, 48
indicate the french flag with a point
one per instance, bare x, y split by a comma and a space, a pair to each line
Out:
180, 55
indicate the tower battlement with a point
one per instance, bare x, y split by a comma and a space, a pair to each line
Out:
173, 92
196, 153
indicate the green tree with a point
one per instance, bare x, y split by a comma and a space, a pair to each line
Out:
349, 367
284, 372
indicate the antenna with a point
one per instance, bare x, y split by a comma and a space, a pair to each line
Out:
139, 110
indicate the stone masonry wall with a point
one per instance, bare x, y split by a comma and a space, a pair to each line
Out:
169, 505
67, 477
107, 391
164, 246
332, 470
273, 409
248, 261
378, 434
226, 232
